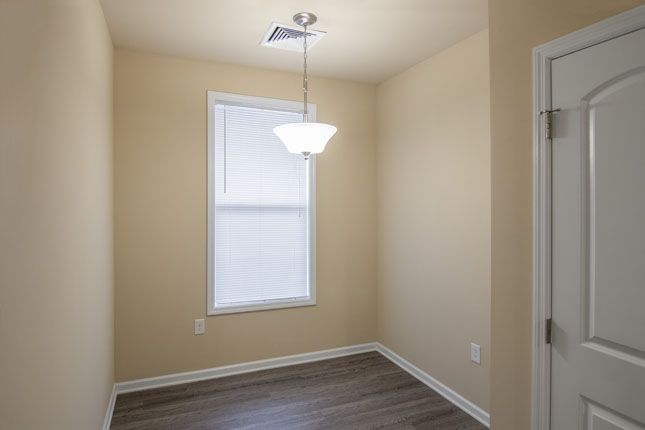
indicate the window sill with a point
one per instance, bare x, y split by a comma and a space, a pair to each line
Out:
262, 306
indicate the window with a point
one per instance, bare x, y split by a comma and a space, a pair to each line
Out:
261, 208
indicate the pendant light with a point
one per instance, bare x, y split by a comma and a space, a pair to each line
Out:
305, 137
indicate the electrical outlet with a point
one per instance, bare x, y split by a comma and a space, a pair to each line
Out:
200, 326
475, 353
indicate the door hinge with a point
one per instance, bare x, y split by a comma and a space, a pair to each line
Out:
547, 331
548, 131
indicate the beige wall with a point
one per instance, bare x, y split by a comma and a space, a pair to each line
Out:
434, 215
515, 28
160, 220
56, 295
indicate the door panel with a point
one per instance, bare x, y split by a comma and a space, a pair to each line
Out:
598, 237
616, 213
599, 418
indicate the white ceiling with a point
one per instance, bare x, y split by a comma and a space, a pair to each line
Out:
367, 40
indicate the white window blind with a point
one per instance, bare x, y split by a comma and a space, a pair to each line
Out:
261, 209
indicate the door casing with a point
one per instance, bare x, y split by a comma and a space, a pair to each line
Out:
602, 31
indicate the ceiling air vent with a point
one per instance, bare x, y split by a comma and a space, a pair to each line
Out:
290, 37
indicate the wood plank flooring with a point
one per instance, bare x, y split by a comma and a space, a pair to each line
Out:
363, 391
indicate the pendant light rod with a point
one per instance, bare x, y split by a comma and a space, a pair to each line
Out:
305, 19
305, 112
305, 115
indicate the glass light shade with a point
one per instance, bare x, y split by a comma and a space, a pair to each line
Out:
303, 137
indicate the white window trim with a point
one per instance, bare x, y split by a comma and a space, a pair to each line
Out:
212, 98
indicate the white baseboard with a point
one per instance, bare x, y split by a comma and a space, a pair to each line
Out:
272, 363
110, 409
236, 369
458, 400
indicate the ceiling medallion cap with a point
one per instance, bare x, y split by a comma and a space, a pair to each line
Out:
305, 18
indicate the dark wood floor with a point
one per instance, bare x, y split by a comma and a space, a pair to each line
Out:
364, 391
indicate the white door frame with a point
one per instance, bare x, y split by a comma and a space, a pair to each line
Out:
616, 26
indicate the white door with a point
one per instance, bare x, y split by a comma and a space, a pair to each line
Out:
598, 237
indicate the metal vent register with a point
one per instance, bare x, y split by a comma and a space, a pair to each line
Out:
289, 37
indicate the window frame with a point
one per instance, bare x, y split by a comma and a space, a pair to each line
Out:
213, 97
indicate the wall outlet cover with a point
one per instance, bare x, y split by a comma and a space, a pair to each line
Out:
200, 326
475, 353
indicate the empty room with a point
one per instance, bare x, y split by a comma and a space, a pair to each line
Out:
322, 214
